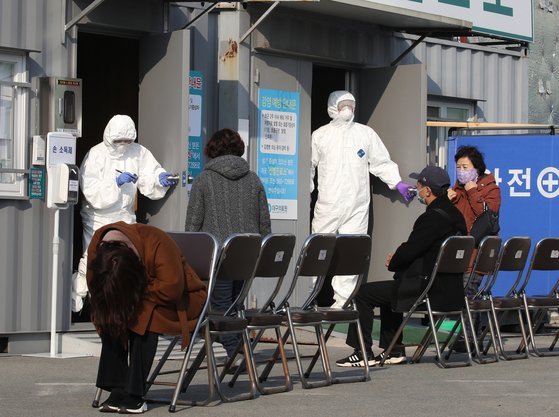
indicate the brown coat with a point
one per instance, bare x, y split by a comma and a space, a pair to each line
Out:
175, 294
470, 203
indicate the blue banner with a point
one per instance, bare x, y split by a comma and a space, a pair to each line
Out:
525, 168
278, 138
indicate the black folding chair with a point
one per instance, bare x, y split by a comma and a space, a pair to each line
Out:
201, 253
544, 258
314, 260
513, 259
453, 258
275, 256
479, 303
237, 261
352, 256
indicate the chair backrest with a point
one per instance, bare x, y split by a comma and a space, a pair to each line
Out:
237, 262
512, 258
200, 251
445, 287
486, 260
454, 255
275, 256
238, 258
352, 256
544, 258
313, 261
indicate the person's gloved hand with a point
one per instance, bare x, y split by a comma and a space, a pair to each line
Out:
404, 189
125, 177
164, 181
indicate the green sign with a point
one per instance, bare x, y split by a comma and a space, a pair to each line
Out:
37, 183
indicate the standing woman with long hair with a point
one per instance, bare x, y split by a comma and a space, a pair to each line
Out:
140, 286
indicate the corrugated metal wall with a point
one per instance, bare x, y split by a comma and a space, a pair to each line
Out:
497, 78
27, 226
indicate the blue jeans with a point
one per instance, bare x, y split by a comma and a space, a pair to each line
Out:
223, 295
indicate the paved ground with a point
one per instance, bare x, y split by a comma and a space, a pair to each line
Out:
64, 387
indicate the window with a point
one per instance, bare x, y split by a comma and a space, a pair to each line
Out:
13, 105
444, 111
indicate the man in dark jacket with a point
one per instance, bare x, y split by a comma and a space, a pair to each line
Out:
416, 256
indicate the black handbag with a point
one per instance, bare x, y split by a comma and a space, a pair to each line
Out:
486, 224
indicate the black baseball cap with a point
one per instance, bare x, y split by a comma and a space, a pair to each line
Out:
432, 176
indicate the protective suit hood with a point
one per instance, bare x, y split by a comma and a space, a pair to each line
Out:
335, 98
120, 127
229, 166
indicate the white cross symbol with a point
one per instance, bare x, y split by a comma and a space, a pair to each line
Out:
547, 181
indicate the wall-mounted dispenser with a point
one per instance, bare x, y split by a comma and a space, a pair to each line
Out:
60, 105
62, 173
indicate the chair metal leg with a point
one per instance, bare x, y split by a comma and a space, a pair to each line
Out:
324, 355
531, 329
97, 398
400, 330
426, 341
250, 371
441, 360
161, 363
287, 386
504, 354
366, 376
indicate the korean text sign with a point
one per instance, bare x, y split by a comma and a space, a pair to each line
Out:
278, 127
195, 145
526, 170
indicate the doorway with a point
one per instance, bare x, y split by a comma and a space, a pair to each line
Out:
109, 68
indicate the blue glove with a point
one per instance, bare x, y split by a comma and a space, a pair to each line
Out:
164, 181
125, 177
405, 190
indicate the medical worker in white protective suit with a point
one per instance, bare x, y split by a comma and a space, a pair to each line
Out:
344, 153
110, 174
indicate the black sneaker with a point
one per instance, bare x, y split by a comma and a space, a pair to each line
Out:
111, 404
394, 358
133, 404
355, 359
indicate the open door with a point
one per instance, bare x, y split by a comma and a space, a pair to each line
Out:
163, 121
393, 101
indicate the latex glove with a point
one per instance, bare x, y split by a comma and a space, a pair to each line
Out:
125, 177
404, 189
164, 181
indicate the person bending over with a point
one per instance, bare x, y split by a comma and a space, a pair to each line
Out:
140, 286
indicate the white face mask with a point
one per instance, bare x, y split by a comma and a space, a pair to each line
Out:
346, 114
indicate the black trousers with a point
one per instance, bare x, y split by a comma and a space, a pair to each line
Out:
371, 295
115, 369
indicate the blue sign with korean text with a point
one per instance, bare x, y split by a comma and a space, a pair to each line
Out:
278, 138
195, 141
525, 168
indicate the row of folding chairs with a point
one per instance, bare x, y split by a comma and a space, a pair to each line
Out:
245, 257
498, 262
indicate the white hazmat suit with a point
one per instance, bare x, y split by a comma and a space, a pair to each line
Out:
105, 200
344, 153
